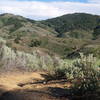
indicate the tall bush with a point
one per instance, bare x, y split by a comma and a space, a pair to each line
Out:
89, 81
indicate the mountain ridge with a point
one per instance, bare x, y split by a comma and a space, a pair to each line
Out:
69, 22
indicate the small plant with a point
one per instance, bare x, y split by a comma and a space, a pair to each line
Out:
35, 43
17, 39
2, 41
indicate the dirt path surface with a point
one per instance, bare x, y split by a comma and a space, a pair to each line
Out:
10, 80
34, 88
10, 89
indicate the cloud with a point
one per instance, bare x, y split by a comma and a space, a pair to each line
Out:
43, 10
94, 1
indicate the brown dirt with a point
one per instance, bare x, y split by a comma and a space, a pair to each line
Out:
9, 87
10, 90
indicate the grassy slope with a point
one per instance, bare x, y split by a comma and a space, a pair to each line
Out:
80, 26
76, 29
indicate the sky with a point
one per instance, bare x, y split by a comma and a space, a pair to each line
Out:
44, 9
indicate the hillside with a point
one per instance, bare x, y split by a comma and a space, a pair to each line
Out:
13, 25
78, 25
54, 59
77, 32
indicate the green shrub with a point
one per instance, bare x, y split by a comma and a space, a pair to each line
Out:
96, 32
2, 41
35, 43
17, 39
89, 82
83, 73
61, 71
35, 61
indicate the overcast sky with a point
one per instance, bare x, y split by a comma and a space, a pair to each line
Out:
44, 9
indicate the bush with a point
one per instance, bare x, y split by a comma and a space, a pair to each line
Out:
89, 81
62, 71
83, 73
12, 58
67, 70
96, 32
35, 43
2, 41
17, 39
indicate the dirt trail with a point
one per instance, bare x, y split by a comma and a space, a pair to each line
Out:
9, 89
9, 86
9, 81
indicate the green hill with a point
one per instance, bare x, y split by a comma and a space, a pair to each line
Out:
76, 25
64, 36
12, 25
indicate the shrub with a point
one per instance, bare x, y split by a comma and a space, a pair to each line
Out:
59, 72
66, 70
82, 72
35, 43
96, 32
34, 61
17, 39
2, 41
89, 81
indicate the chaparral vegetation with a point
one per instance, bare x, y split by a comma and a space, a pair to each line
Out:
66, 50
